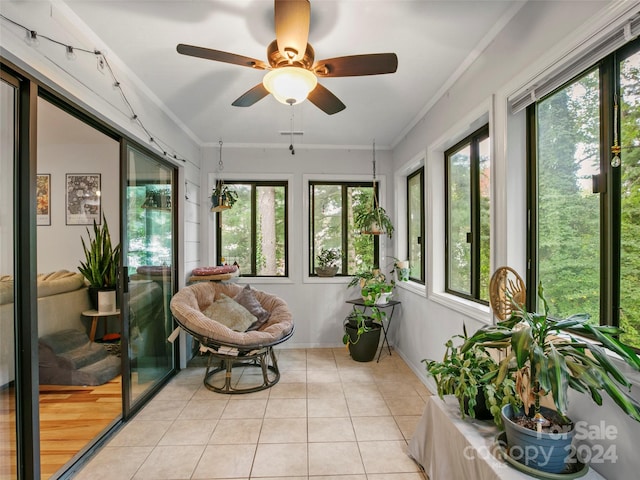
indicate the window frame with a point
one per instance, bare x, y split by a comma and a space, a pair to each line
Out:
610, 191
253, 234
473, 140
345, 185
420, 173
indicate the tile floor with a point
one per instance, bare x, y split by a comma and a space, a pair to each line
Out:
329, 418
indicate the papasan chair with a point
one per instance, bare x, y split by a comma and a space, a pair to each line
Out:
228, 348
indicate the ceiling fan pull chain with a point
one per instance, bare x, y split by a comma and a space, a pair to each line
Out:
293, 152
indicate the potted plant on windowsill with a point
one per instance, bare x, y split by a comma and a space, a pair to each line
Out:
470, 377
102, 260
222, 197
545, 359
373, 286
328, 262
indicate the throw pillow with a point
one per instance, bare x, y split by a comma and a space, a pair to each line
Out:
230, 313
248, 300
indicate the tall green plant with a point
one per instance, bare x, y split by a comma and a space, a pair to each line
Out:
549, 359
100, 267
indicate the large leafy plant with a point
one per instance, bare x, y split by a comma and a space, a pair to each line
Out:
100, 267
468, 374
545, 358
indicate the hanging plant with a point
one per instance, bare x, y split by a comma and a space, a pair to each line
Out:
222, 197
375, 220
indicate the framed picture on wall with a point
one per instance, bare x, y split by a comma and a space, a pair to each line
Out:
83, 199
43, 199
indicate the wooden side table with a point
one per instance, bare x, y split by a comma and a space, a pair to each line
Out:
96, 315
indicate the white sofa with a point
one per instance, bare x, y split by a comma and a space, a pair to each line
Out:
62, 297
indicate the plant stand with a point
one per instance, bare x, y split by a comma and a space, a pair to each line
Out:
359, 302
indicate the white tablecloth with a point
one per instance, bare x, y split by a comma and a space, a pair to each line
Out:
450, 448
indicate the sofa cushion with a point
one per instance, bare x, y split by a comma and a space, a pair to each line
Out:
230, 313
248, 300
6, 289
59, 282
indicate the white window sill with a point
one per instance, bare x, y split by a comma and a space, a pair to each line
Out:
337, 279
413, 287
263, 280
477, 311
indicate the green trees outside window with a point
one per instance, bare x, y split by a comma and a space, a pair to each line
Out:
333, 207
415, 224
468, 187
586, 202
254, 232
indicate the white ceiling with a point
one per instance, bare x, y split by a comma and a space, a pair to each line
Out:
434, 41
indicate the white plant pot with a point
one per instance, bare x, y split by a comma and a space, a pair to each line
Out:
402, 271
107, 301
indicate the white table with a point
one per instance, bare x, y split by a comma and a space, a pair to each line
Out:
449, 447
95, 315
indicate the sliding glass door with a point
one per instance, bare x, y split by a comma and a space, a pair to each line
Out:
149, 258
8, 116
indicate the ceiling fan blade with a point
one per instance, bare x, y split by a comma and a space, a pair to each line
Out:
220, 56
252, 96
357, 65
292, 27
325, 100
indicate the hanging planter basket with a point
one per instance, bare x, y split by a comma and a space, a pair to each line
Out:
222, 202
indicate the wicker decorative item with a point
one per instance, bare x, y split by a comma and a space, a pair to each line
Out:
503, 280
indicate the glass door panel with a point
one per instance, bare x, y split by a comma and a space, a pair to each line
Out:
149, 258
8, 104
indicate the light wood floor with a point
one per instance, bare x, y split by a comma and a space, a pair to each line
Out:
70, 417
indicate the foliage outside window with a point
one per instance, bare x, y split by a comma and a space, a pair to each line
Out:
149, 225
585, 245
467, 183
333, 207
415, 225
254, 232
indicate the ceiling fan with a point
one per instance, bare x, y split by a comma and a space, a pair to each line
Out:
293, 73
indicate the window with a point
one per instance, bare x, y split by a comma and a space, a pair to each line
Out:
254, 232
333, 206
415, 225
584, 197
467, 225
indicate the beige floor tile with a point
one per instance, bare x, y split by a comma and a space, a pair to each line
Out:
279, 460
169, 462
289, 390
188, 432
197, 409
338, 477
407, 425
341, 458
356, 376
286, 408
225, 461
411, 405
322, 376
162, 410
386, 457
376, 428
292, 376
325, 390
331, 430
361, 390
397, 389
284, 430
245, 408
103, 466
327, 407
177, 391
141, 433
372, 407
236, 431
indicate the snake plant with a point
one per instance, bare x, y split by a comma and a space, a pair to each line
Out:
100, 267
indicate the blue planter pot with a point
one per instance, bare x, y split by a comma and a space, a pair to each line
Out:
546, 452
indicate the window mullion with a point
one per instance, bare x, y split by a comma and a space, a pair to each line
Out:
254, 229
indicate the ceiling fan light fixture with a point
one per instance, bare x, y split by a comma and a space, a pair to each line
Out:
290, 85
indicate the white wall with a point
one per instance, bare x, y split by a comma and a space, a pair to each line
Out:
537, 36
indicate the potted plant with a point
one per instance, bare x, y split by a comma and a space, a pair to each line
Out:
102, 260
373, 286
328, 262
374, 221
470, 377
545, 359
362, 333
222, 197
